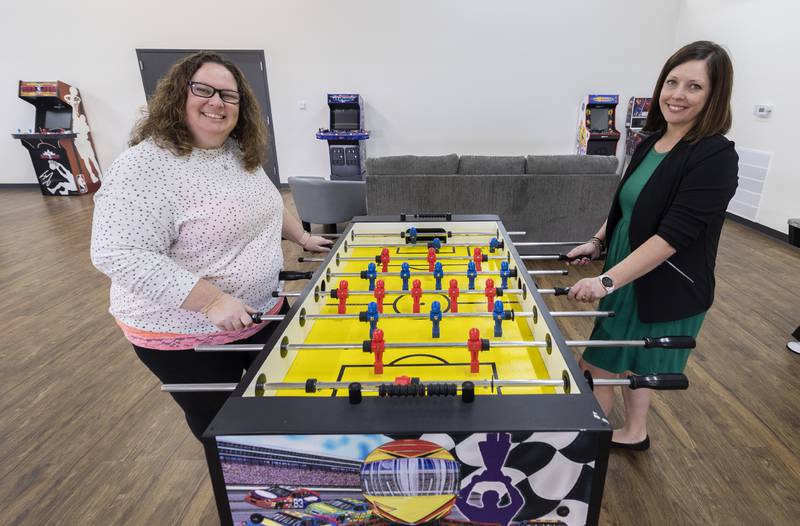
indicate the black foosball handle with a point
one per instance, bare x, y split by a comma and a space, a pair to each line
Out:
354, 393
293, 275
561, 291
662, 382
446, 217
670, 342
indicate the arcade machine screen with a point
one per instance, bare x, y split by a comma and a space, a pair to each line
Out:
57, 120
345, 119
599, 119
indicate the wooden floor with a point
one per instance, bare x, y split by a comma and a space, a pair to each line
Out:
86, 437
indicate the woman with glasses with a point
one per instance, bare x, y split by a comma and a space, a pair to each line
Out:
188, 227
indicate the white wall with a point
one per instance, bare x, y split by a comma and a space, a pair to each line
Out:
437, 76
764, 44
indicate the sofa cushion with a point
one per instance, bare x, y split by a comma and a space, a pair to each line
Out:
413, 164
491, 165
571, 164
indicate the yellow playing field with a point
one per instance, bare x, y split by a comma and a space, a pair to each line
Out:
428, 364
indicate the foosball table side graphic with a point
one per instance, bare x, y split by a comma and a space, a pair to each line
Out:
333, 425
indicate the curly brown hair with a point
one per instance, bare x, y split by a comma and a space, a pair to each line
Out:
164, 120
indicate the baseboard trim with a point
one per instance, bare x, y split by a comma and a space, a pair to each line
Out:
759, 227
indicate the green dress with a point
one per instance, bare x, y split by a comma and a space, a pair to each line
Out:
625, 325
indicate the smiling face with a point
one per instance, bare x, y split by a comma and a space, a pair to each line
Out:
210, 121
684, 94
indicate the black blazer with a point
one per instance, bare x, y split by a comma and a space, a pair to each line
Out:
684, 202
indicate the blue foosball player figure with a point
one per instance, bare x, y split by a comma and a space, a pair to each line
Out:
435, 244
372, 273
372, 317
436, 317
494, 244
438, 274
504, 274
471, 274
497, 316
412, 235
405, 274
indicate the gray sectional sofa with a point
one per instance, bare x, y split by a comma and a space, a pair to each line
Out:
551, 197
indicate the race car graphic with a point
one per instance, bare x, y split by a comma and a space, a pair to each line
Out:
282, 497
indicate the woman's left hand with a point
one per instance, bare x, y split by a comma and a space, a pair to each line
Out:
587, 290
318, 244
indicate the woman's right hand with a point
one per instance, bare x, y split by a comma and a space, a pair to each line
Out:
584, 253
230, 314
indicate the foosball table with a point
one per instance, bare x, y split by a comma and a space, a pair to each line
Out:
418, 379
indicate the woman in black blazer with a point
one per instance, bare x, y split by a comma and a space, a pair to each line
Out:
663, 230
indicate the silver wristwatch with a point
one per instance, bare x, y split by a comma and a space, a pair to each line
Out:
607, 283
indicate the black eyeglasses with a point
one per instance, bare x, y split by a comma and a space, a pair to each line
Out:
205, 91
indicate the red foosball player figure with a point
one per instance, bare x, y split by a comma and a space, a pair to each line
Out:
491, 292
474, 346
380, 293
416, 293
342, 294
477, 257
453, 293
385, 260
377, 346
431, 258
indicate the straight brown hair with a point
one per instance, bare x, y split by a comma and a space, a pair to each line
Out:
165, 118
716, 115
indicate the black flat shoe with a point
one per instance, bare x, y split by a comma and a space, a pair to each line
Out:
636, 446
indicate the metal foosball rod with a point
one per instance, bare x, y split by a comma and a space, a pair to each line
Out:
484, 257
445, 233
422, 243
558, 291
363, 274
547, 243
312, 385
413, 387
665, 342
333, 293
510, 314
377, 259
512, 274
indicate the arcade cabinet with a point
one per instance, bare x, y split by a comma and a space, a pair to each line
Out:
638, 108
597, 134
60, 144
346, 136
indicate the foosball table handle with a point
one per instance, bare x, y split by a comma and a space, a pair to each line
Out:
293, 275
259, 317
662, 382
670, 342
